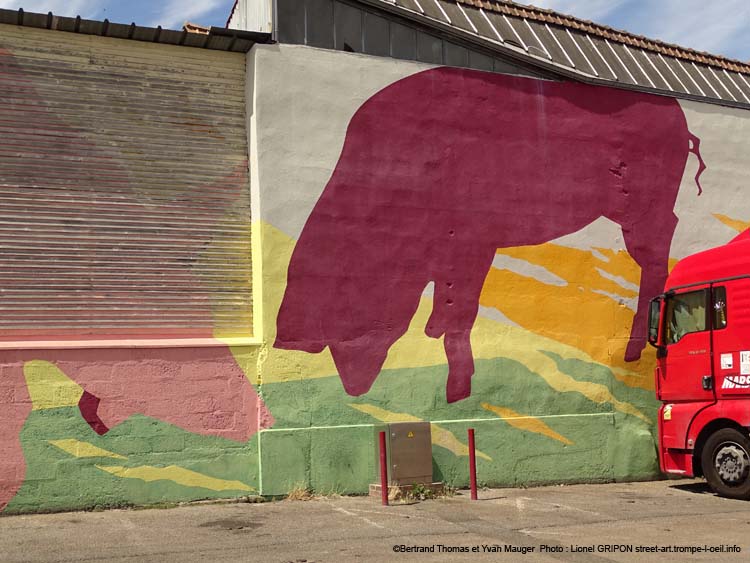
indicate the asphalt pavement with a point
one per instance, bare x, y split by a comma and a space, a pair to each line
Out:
654, 521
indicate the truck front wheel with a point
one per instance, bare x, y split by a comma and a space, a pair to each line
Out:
726, 463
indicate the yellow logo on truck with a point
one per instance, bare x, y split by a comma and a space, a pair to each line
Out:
667, 414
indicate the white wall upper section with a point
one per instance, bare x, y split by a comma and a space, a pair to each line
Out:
724, 134
253, 15
304, 99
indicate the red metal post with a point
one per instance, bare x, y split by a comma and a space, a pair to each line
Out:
472, 465
383, 471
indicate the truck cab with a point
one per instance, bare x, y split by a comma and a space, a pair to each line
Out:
700, 327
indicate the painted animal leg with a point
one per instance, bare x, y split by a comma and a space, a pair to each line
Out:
648, 242
455, 308
14, 414
460, 365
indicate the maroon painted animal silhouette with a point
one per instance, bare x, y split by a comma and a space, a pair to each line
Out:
444, 167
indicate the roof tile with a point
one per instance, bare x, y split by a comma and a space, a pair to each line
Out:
548, 16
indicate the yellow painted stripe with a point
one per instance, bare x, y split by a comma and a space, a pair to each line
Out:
546, 368
49, 387
384, 415
446, 439
735, 224
524, 422
178, 475
440, 436
77, 448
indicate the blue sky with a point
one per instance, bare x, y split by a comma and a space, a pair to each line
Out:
166, 13
721, 27
718, 26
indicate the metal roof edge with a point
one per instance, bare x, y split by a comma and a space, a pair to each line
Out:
255, 36
529, 59
231, 13
600, 30
218, 38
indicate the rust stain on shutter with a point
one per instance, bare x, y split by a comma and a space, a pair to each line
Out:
124, 196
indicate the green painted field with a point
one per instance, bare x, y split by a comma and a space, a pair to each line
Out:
323, 439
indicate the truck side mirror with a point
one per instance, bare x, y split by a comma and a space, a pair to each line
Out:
654, 314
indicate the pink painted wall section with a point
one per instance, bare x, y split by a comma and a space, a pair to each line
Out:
16, 406
203, 391
440, 170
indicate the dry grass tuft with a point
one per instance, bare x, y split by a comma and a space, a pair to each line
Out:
300, 493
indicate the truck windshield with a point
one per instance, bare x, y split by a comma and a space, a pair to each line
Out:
685, 313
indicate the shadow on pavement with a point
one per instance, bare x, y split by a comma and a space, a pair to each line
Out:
697, 488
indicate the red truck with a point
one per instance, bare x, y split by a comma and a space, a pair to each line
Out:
700, 327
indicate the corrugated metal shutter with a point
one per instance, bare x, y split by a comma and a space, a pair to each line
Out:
124, 198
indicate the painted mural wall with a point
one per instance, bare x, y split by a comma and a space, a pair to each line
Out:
466, 248
471, 249
124, 233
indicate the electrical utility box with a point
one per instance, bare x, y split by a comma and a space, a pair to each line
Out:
409, 449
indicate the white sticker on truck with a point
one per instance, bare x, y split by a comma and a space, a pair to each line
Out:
745, 362
736, 382
726, 361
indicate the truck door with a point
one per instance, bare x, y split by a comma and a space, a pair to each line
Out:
686, 371
731, 342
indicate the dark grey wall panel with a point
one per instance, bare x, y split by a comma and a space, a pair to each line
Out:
348, 34
403, 42
506, 67
320, 23
429, 48
480, 61
455, 55
291, 22
342, 25
377, 39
